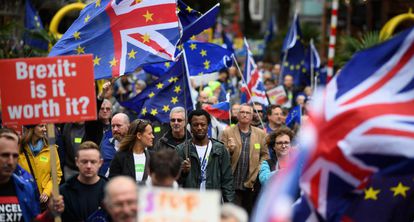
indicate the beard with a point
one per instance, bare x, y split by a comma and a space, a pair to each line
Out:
199, 136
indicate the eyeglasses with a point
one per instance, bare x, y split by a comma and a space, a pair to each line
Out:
105, 108
283, 143
259, 111
176, 120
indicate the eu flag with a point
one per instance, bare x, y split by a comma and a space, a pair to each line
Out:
205, 21
393, 195
202, 58
159, 69
32, 22
294, 116
293, 35
271, 29
122, 35
186, 14
293, 53
157, 99
312, 61
228, 43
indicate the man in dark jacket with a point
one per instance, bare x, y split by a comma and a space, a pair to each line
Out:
206, 162
83, 193
176, 135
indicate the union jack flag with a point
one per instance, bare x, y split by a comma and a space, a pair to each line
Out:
364, 128
123, 35
253, 88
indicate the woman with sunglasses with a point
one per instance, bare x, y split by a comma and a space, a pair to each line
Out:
280, 142
132, 159
34, 157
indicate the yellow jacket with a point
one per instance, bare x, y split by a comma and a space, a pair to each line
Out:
41, 168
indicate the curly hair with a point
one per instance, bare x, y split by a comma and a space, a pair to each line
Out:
271, 138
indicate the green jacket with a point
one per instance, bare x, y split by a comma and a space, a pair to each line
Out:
219, 174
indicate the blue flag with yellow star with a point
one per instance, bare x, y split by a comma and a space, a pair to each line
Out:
394, 196
157, 99
204, 22
202, 58
186, 14
271, 30
294, 116
293, 53
32, 22
123, 35
159, 69
312, 61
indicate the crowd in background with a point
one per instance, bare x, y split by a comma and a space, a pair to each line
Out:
236, 156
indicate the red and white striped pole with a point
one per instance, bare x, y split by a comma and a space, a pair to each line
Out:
332, 39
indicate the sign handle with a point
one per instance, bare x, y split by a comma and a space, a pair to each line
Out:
52, 147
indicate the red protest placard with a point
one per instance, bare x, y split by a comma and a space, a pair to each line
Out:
47, 90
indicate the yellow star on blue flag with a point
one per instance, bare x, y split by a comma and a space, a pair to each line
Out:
158, 98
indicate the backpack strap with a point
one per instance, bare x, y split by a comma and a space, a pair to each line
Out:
272, 164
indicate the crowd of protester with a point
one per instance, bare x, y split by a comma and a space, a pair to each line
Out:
100, 162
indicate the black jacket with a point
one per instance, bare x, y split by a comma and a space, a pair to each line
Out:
123, 164
219, 174
167, 141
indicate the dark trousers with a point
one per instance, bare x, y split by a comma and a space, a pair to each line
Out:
246, 199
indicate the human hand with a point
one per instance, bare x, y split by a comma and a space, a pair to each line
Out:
43, 198
56, 205
105, 88
186, 165
231, 144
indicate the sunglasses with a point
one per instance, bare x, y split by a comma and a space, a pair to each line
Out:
140, 126
176, 120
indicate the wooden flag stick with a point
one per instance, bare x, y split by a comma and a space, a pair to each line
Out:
52, 147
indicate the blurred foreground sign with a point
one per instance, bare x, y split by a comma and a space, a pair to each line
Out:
47, 90
157, 205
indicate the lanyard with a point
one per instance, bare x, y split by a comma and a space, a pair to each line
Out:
204, 161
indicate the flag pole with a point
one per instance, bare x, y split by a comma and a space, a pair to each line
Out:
312, 66
282, 67
228, 100
53, 162
193, 98
187, 72
332, 39
247, 89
